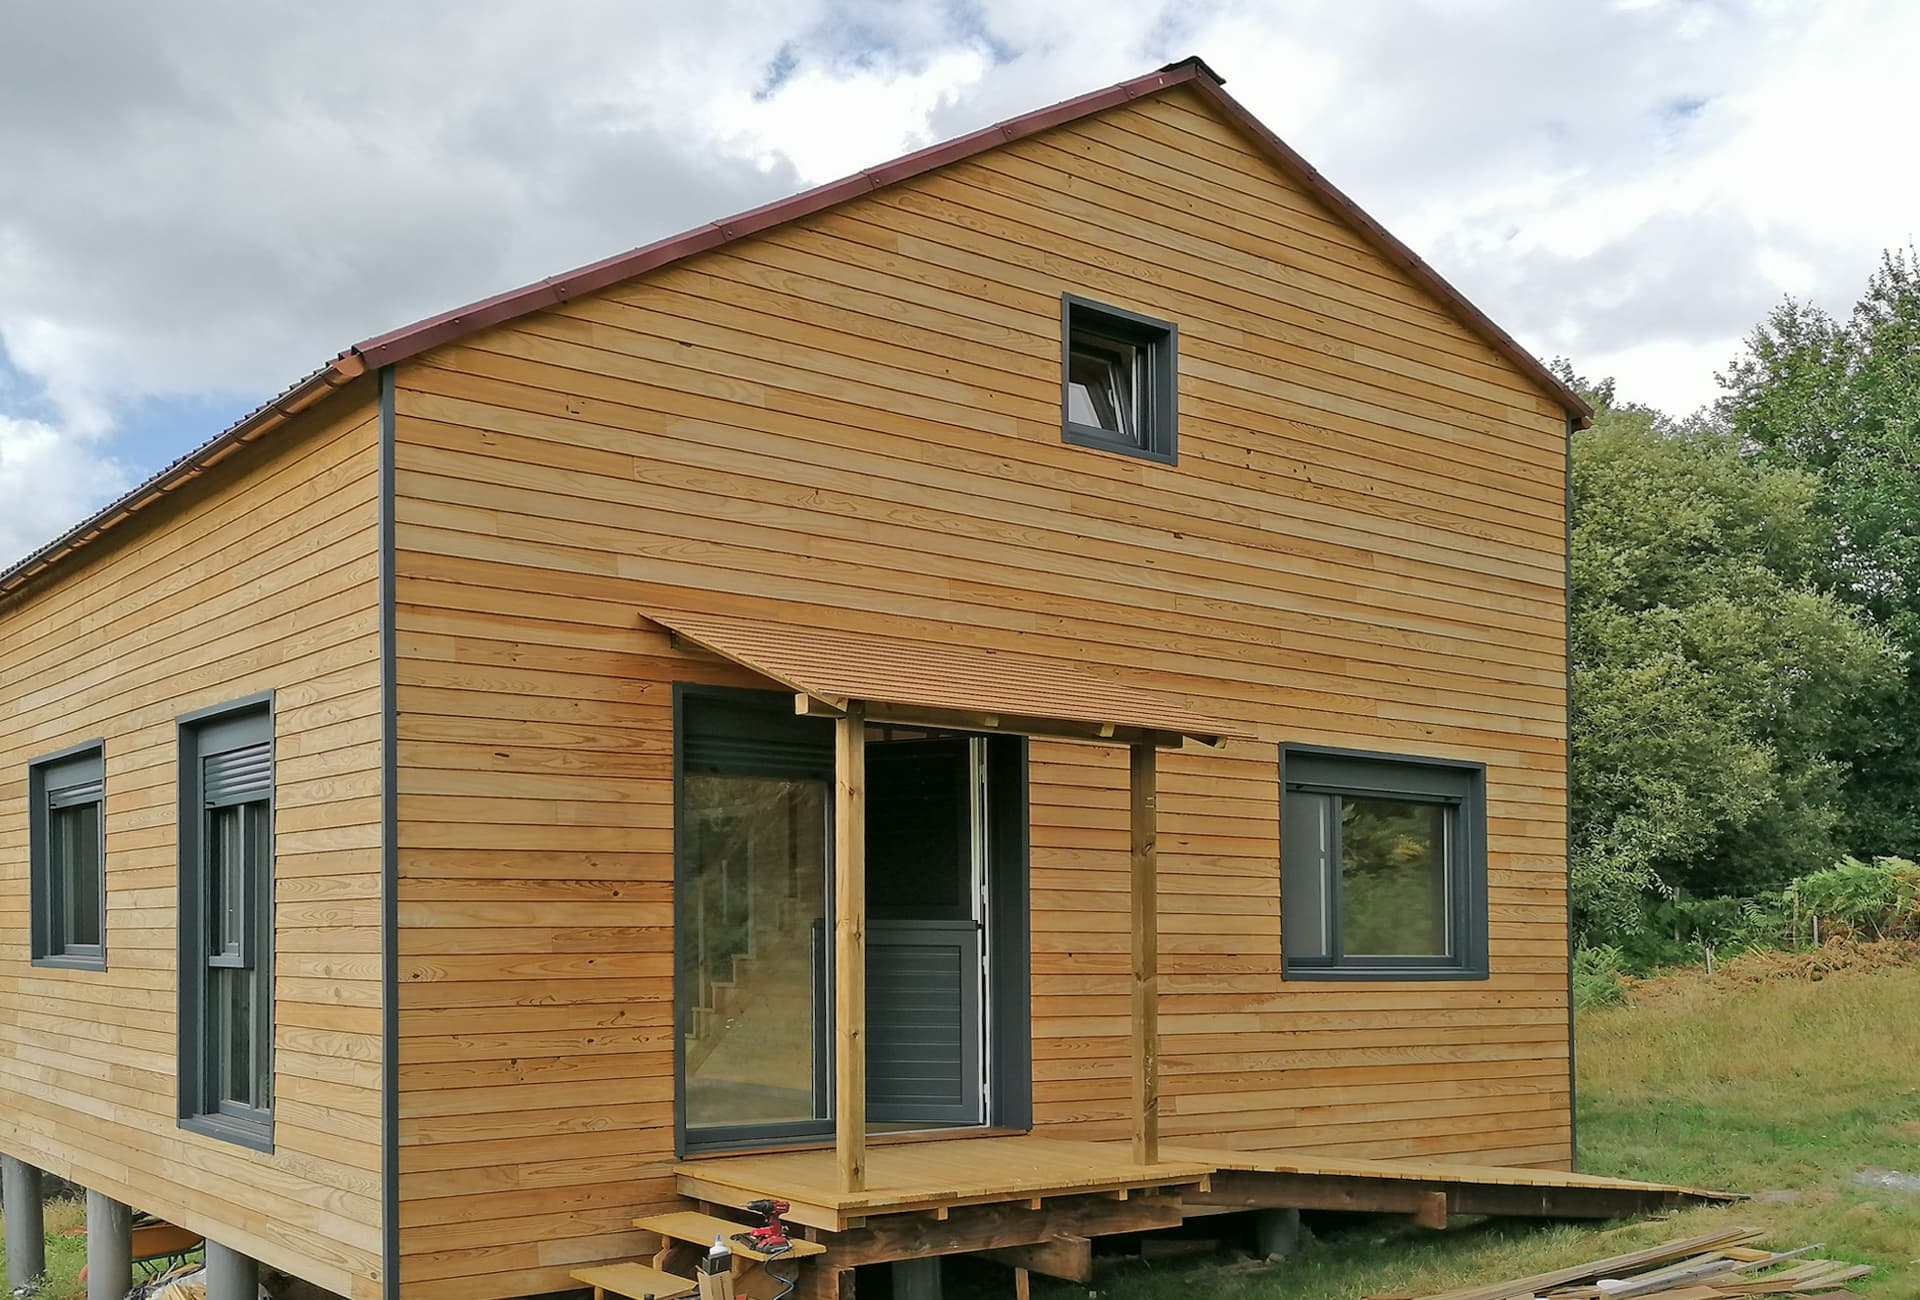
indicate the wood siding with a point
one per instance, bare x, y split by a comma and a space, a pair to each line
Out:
260, 575
855, 418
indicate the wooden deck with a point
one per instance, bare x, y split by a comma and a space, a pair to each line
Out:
936, 1176
1035, 1202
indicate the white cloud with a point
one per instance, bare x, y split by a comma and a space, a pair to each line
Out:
208, 197
49, 477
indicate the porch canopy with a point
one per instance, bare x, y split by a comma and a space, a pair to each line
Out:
905, 679
856, 677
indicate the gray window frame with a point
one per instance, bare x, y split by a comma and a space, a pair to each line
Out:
1358, 773
1157, 407
64, 779
237, 724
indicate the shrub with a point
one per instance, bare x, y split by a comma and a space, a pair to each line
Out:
1598, 977
1872, 900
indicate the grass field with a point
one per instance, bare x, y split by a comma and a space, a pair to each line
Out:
1785, 1090
1791, 1090
66, 1251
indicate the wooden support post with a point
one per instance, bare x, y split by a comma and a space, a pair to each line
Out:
850, 947
1143, 815
1064, 1256
26, 1226
1431, 1211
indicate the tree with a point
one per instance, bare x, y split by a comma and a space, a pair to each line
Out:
1840, 400
1713, 680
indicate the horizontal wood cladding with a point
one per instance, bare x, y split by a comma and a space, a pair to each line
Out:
855, 419
260, 576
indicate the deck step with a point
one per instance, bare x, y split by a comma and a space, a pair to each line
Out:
634, 1281
701, 1229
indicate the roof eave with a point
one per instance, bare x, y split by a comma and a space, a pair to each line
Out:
304, 393
410, 340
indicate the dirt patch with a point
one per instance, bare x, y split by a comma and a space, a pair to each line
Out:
1836, 957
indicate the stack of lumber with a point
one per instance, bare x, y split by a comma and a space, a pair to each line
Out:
1717, 1266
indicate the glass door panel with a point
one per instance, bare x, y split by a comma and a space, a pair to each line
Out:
753, 952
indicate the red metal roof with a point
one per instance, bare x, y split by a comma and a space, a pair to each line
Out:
411, 340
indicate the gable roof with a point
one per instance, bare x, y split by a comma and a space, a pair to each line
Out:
411, 340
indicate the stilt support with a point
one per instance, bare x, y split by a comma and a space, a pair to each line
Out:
109, 1248
231, 1275
26, 1225
1276, 1233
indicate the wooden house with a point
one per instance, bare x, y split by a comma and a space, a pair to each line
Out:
1027, 682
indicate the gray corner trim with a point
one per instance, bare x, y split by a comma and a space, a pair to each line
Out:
1566, 596
1474, 961
1164, 399
389, 864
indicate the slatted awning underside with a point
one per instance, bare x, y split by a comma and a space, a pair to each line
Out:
905, 679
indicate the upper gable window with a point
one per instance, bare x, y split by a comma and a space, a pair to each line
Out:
1117, 380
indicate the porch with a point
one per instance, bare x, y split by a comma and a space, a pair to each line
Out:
934, 1177
1036, 1203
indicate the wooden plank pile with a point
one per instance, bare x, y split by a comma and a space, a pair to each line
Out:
1716, 1266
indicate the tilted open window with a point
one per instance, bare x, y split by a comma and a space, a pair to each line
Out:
1383, 866
1118, 379
67, 855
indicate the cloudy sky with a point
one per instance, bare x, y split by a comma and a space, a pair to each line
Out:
202, 200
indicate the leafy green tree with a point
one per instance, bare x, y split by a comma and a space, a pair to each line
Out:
1713, 680
1840, 400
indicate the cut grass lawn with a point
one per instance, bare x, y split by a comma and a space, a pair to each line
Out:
1785, 1090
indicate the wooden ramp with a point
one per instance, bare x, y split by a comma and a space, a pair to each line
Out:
1429, 1190
933, 1176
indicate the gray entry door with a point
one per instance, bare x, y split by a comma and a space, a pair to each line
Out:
925, 980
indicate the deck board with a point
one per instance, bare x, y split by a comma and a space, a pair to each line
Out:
930, 1175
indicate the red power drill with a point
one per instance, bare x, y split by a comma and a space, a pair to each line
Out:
770, 1238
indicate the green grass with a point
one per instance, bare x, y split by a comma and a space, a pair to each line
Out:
66, 1251
1786, 1089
